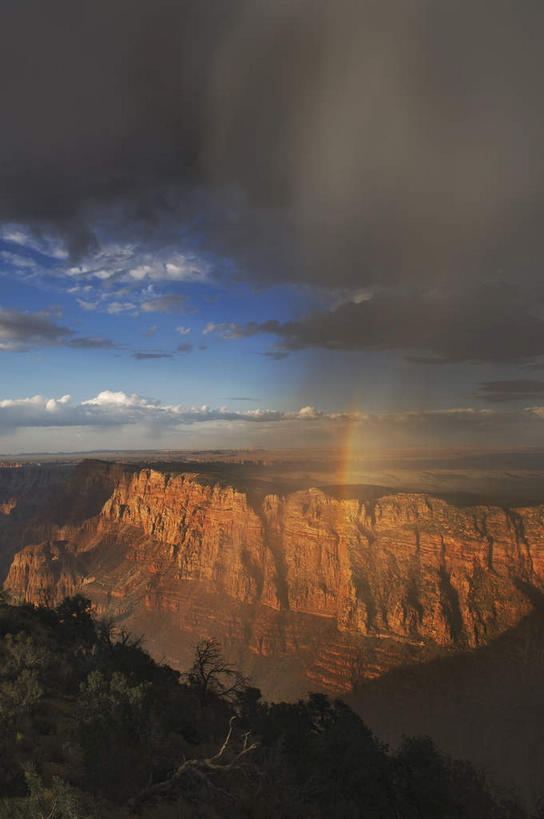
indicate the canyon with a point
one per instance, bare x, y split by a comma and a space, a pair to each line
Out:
305, 590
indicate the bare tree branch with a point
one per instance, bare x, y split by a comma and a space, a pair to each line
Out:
211, 674
200, 768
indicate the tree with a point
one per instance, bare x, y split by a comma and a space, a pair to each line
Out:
74, 614
210, 673
59, 800
21, 662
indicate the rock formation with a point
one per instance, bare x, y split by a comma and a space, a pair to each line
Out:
305, 591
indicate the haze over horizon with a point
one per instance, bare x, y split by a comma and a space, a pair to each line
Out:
235, 224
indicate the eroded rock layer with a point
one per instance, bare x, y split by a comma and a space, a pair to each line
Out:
304, 591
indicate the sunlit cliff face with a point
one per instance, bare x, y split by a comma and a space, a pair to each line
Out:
305, 587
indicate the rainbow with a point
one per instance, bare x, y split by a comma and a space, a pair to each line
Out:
349, 447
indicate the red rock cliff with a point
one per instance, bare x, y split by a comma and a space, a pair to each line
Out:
334, 587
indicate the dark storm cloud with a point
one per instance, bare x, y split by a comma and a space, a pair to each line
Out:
21, 330
491, 323
150, 356
103, 105
514, 390
338, 144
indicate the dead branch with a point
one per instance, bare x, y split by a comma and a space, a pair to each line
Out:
201, 768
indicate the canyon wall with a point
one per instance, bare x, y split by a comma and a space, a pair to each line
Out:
305, 591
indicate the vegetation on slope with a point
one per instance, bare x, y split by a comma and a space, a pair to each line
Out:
92, 727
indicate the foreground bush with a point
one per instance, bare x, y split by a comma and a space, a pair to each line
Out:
92, 727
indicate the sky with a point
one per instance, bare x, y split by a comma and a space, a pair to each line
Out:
268, 223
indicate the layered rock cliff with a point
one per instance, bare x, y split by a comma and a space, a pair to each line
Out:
304, 590
26, 493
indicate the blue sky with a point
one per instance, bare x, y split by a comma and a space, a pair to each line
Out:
169, 338
152, 315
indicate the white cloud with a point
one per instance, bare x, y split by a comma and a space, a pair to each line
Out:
213, 328
22, 237
309, 412
227, 331
141, 272
147, 419
107, 398
129, 299
54, 404
132, 263
119, 408
17, 260
34, 411
18, 237
183, 331
164, 304
117, 307
87, 305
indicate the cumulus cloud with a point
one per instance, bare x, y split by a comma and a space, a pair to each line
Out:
183, 331
309, 412
109, 398
36, 411
119, 409
140, 417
